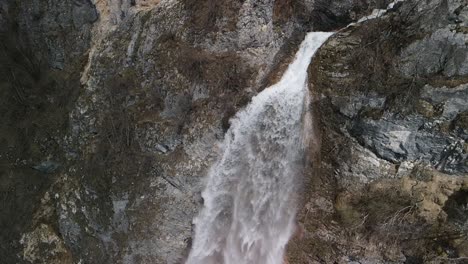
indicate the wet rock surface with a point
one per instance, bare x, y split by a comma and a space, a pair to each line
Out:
123, 104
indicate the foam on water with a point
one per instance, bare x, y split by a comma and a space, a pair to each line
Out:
250, 200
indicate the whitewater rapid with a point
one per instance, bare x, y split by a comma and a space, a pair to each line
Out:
250, 200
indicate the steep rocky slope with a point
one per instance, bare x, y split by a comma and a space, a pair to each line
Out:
391, 95
42, 51
114, 110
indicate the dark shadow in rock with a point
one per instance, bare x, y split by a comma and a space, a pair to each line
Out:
456, 207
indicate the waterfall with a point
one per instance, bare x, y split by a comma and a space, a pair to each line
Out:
250, 200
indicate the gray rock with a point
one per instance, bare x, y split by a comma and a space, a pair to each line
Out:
351, 107
84, 12
47, 166
442, 51
398, 140
454, 100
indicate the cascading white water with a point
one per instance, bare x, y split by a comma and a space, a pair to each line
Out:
250, 198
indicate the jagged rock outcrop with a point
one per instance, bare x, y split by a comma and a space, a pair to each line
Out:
391, 95
123, 104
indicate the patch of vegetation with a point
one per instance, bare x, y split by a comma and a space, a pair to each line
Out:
25, 137
208, 15
34, 104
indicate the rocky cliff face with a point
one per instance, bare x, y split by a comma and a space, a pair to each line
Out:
114, 109
42, 51
391, 96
